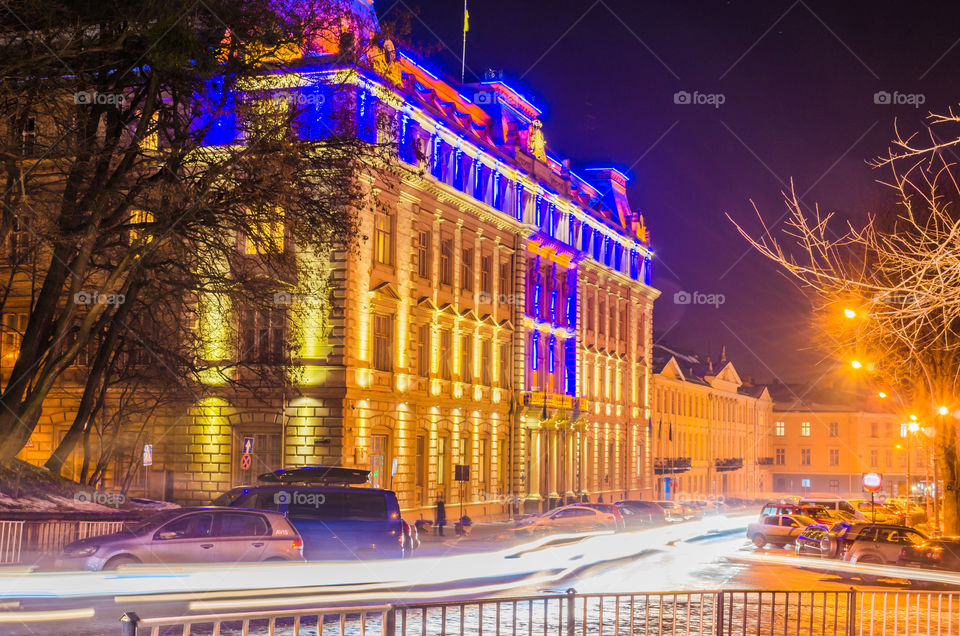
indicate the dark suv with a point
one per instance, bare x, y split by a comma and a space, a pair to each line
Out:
336, 519
882, 544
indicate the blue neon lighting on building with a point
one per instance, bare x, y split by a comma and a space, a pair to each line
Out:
535, 349
436, 157
518, 200
570, 364
552, 355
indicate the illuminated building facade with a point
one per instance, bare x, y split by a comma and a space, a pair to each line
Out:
710, 428
497, 315
824, 446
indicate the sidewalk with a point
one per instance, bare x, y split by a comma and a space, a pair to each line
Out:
484, 536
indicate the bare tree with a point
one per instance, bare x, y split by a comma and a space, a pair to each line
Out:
170, 159
899, 276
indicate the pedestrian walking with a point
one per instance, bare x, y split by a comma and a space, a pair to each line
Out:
441, 514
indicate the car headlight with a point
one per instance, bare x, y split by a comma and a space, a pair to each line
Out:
80, 550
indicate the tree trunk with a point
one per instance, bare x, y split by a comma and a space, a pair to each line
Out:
950, 476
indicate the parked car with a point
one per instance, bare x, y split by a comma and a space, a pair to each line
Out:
607, 508
677, 511
411, 538
884, 544
336, 520
832, 503
814, 511
572, 518
778, 530
190, 535
807, 543
637, 513
876, 512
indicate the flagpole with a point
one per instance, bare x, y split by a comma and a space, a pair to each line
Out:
463, 55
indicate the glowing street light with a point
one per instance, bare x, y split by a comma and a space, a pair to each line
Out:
849, 313
856, 364
881, 394
942, 410
913, 427
913, 418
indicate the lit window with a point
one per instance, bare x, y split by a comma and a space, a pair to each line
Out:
139, 219
383, 239
262, 335
485, 278
265, 234
804, 429
466, 359
804, 483
423, 254
781, 429
446, 261
423, 351
382, 337
466, 270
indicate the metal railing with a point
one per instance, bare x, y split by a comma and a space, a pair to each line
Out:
11, 541
25, 539
360, 621
51, 536
682, 613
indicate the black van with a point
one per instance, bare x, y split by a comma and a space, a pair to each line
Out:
336, 519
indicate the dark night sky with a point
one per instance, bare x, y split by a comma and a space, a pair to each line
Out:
798, 79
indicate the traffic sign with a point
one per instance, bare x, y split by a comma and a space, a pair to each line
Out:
247, 445
872, 482
148, 454
245, 461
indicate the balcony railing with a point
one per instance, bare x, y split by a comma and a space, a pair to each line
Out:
671, 465
765, 461
726, 465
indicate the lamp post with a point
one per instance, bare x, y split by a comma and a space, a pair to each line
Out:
912, 427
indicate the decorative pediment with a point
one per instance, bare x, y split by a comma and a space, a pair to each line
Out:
727, 375
506, 324
468, 314
425, 302
488, 319
386, 290
672, 370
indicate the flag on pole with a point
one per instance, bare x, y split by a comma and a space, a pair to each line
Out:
660, 429
466, 18
670, 432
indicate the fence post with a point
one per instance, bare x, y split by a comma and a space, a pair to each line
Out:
851, 612
571, 612
718, 612
389, 621
128, 624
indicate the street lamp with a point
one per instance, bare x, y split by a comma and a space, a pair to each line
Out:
912, 427
849, 313
856, 364
881, 395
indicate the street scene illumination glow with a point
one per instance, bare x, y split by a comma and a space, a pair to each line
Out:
326, 316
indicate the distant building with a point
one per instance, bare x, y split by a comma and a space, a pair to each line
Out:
823, 444
709, 427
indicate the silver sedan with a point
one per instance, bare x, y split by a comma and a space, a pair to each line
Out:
190, 535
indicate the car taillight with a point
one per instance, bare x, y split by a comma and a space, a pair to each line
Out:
610, 516
297, 544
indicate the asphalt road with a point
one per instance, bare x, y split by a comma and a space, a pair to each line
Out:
706, 564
